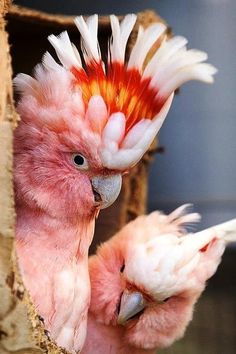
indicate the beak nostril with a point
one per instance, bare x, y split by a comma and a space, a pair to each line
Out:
106, 189
97, 196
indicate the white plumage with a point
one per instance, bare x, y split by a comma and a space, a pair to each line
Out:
144, 43
170, 261
89, 31
120, 36
66, 52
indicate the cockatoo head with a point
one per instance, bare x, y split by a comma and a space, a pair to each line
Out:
149, 276
82, 127
58, 166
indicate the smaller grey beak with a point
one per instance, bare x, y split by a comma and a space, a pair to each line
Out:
106, 189
131, 304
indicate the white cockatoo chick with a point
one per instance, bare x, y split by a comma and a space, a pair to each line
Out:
147, 278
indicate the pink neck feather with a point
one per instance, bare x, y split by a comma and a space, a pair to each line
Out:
53, 259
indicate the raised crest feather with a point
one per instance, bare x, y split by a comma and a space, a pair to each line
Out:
65, 50
139, 91
89, 42
120, 36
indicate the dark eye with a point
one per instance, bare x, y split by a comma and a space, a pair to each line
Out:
168, 298
80, 161
122, 268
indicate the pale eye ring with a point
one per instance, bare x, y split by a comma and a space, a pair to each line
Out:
80, 161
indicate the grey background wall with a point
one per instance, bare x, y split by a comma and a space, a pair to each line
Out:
200, 132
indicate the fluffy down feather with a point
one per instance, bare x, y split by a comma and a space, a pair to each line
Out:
156, 260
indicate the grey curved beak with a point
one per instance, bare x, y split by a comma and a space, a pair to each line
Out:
106, 189
131, 304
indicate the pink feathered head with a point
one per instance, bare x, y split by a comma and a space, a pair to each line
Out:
124, 105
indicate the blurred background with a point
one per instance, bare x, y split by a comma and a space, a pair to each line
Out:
199, 137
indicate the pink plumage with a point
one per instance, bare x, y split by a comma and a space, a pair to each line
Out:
80, 129
146, 280
55, 208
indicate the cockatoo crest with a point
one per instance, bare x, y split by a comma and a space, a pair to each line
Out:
125, 104
169, 263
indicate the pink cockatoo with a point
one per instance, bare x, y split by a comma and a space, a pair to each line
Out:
80, 129
146, 280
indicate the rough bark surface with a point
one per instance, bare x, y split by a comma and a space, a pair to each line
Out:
21, 331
